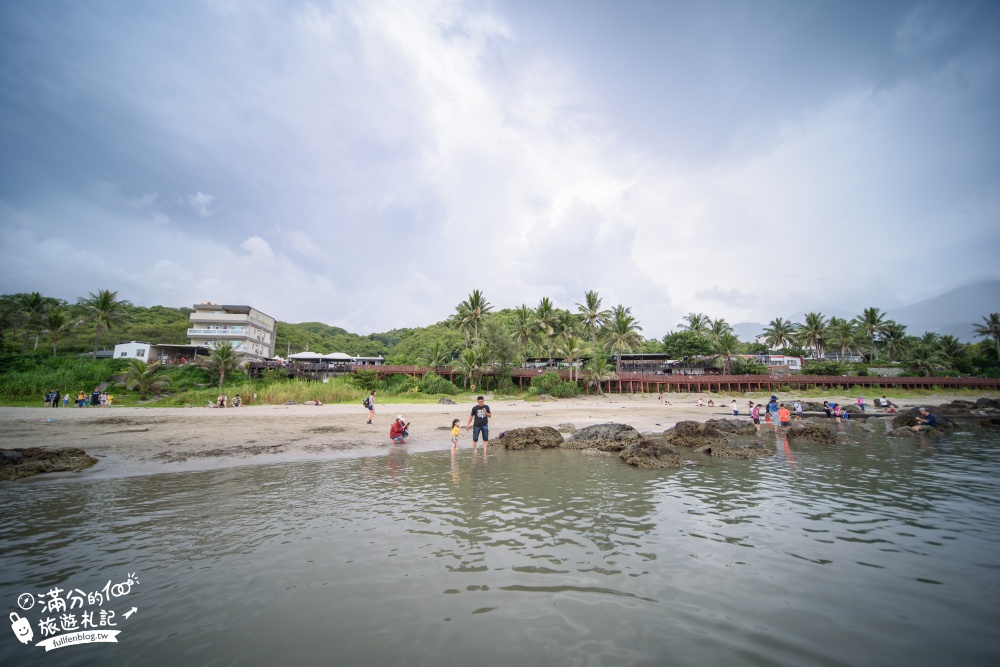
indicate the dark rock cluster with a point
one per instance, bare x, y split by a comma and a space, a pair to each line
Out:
531, 437
605, 437
15, 463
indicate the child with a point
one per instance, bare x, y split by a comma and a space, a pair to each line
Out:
767, 417
456, 433
736, 410
755, 415
798, 410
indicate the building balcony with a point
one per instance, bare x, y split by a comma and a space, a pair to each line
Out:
228, 333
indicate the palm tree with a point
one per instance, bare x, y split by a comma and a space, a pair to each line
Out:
435, 356
105, 308
779, 333
469, 365
696, 322
623, 332
871, 323
223, 360
812, 333
32, 306
473, 310
727, 346
545, 323
524, 327
598, 370
717, 329
842, 334
594, 318
925, 359
951, 349
56, 324
990, 328
142, 376
570, 348
566, 323
894, 335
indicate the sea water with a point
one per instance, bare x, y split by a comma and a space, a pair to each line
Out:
874, 551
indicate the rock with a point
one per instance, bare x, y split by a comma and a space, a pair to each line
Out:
290, 403
991, 422
595, 452
731, 426
902, 432
987, 403
910, 419
650, 454
730, 451
607, 437
444, 400
566, 427
811, 432
16, 463
541, 437
693, 434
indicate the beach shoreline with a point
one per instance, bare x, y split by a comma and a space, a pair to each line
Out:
140, 441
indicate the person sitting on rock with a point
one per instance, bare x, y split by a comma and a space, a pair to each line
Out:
399, 430
925, 422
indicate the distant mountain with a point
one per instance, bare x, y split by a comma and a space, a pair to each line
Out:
954, 312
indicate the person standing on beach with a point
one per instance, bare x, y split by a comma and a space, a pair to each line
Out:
755, 415
456, 433
370, 404
784, 416
861, 403
481, 414
798, 410
772, 409
736, 409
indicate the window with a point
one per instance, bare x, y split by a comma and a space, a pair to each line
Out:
140, 353
123, 354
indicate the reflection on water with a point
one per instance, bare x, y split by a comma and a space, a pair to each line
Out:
873, 552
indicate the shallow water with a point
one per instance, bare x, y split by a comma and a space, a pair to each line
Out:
880, 552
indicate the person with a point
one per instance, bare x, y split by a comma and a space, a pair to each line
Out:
700, 403
456, 433
711, 403
108, 399
926, 421
861, 403
55, 398
481, 414
95, 398
798, 410
399, 430
81, 399
755, 415
772, 409
65, 399
836, 410
736, 409
48, 399
767, 418
220, 402
826, 408
370, 404
784, 416
237, 401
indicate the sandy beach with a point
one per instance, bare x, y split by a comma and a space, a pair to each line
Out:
130, 441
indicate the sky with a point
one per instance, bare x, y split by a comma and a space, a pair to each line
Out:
368, 164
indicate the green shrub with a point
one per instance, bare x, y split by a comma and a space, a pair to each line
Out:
566, 390
546, 382
435, 384
823, 368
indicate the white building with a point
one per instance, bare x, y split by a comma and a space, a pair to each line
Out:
246, 329
160, 352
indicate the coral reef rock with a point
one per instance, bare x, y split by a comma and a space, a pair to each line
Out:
15, 463
726, 450
541, 437
651, 454
811, 432
606, 437
694, 434
566, 427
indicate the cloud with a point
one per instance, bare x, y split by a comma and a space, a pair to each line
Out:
201, 203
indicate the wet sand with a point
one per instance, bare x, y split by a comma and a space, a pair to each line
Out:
129, 441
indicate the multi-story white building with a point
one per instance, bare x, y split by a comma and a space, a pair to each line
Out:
246, 329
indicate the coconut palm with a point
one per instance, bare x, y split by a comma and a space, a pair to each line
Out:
435, 356
144, 377
570, 348
696, 322
842, 334
779, 333
470, 365
951, 349
871, 324
476, 306
812, 333
56, 323
925, 359
990, 328
727, 346
598, 370
717, 329
223, 360
105, 309
894, 336
566, 323
594, 318
623, 332
524, 328
498, 345
545, 323
32, 306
